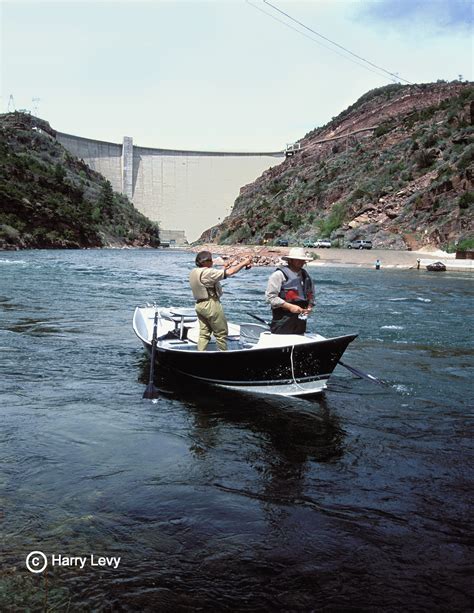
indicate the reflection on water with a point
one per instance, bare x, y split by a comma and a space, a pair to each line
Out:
213, 500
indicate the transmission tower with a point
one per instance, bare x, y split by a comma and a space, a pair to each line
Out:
11, 104
35, 102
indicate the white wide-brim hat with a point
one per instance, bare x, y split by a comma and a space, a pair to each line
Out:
297, 253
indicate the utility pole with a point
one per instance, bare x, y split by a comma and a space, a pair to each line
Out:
35, 102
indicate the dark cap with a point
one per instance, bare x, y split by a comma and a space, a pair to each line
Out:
203, 256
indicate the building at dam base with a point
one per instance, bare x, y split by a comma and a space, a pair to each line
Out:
185, 191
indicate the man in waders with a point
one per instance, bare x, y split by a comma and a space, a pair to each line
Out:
290, 293
207, 290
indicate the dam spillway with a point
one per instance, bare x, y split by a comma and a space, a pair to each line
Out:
184, 191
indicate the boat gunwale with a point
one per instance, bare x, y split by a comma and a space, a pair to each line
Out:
310, 342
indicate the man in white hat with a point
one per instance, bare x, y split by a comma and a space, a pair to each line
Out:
290, 292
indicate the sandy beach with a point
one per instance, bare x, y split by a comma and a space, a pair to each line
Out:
365, 258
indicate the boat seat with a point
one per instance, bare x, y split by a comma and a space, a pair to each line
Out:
179, 317
187, 315
250, 333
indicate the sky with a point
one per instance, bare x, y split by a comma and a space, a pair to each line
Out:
222, 75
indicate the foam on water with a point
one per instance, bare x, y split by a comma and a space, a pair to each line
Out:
3, 261
408, 299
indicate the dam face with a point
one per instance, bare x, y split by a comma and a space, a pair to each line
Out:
185, 191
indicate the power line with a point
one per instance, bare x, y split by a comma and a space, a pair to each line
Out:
337, 44
392, 74
311, 38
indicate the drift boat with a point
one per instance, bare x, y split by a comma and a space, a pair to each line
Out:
256, 361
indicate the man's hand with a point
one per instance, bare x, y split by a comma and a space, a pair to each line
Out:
293, 308
297, 310
231, 270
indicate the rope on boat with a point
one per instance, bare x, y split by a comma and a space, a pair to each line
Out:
293, 370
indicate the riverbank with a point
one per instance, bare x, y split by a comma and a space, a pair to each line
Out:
365, 258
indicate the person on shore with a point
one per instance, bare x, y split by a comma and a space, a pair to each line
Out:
290, 292
377, 264
207, 290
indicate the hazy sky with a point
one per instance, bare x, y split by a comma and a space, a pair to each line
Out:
219, 75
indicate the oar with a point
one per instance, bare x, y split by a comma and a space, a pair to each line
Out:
354, 371
363, 375
151, 391
263, 321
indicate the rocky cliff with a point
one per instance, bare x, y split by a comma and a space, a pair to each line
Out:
396, 168
50, 199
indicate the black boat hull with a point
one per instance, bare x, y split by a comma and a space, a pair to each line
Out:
256, 361
290, 370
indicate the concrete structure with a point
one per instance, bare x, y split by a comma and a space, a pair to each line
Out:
173, 237
186, 191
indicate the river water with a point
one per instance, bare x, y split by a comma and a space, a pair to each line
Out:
357, 500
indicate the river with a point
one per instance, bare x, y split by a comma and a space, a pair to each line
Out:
356, 500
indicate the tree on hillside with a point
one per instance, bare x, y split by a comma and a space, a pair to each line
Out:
106, 200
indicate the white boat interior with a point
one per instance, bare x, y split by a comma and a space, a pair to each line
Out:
178, 328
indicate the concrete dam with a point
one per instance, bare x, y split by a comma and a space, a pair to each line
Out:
186, 192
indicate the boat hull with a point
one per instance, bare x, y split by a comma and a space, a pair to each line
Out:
256, 361
295, 370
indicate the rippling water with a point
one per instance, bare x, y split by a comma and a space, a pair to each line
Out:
358, 500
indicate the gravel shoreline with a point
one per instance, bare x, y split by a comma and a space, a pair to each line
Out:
270, 256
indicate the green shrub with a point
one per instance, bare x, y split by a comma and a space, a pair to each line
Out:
466, 200
425, 158
466, 244
358, 194
384, 128
333, 221
466, 158
292, 219
276, 186
430, 140
242, 234
274, 226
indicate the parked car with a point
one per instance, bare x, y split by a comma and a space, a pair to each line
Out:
323, 243
360, 244
282, 242
308, 243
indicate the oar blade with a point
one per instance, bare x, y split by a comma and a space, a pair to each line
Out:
151, 392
